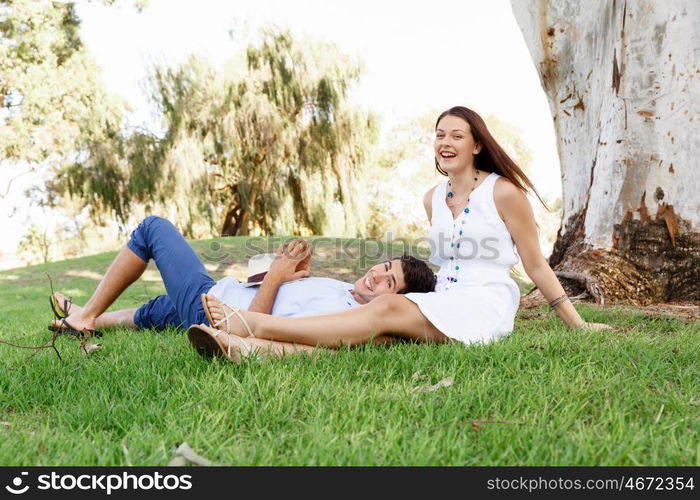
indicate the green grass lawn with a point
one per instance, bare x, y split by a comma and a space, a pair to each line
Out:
543, 396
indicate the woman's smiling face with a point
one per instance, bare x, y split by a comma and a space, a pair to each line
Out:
454, 145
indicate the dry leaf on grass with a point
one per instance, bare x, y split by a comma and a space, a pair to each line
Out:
446, 382
127, 456
88, 346
184, 455
694, 401
5, 425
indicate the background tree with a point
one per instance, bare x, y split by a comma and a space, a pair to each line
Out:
622, 83
51, 96
36, 245
268, 144
52, 106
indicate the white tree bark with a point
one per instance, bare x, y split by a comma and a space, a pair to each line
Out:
623, 83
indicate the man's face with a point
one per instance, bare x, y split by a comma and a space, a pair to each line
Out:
381, 279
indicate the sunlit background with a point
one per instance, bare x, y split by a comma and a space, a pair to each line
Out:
419, 57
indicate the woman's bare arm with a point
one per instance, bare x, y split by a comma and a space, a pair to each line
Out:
516, 211
428, 203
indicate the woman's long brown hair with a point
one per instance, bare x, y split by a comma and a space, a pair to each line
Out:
492, 157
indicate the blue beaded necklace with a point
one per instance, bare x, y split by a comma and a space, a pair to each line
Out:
455, 234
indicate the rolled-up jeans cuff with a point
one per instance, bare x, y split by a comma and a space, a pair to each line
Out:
131, 245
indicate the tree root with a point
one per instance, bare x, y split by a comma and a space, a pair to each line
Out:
588, 281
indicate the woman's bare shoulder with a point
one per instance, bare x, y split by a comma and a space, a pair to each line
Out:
428, 201
507, 195
428, 196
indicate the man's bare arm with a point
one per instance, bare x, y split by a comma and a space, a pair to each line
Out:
267, 293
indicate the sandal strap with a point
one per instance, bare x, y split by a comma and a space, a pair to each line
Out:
54, 308
243, 342
56, 305
234, 312
248, 348
228, 341
67, 328
67, 302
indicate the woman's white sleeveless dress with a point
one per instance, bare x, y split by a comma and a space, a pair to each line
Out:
475, 299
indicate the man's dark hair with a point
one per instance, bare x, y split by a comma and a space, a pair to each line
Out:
418, 276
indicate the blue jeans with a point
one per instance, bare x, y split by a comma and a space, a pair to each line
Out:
183, 274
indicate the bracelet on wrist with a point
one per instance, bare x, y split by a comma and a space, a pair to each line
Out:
558, 301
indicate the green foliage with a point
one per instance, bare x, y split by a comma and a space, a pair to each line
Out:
266, 144
52, 100
36, 244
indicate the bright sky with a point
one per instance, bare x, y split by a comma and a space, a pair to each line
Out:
418, 55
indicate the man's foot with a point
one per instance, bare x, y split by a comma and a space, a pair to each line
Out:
64, 305
227, 318
75, 319
122, 318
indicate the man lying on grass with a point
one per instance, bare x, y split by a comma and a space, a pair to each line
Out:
281, 292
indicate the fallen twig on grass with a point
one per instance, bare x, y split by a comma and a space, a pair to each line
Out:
85, 337
476, 423
51, 343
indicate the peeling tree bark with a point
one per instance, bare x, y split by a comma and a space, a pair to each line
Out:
623, 83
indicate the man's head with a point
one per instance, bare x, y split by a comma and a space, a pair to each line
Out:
402, 275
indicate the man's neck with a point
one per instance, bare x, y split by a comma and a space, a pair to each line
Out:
359, 298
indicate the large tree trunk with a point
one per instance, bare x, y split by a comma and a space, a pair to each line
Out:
623, 84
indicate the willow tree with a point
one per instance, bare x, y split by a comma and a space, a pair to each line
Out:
622, 79
51, 97
268, 143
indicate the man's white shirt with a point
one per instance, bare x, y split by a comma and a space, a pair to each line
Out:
304, 297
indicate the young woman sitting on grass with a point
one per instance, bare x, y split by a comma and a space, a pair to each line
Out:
481, 223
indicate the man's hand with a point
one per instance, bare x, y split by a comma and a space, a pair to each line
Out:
292, 262
305, 263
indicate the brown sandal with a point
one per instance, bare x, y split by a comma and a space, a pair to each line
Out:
203, 339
